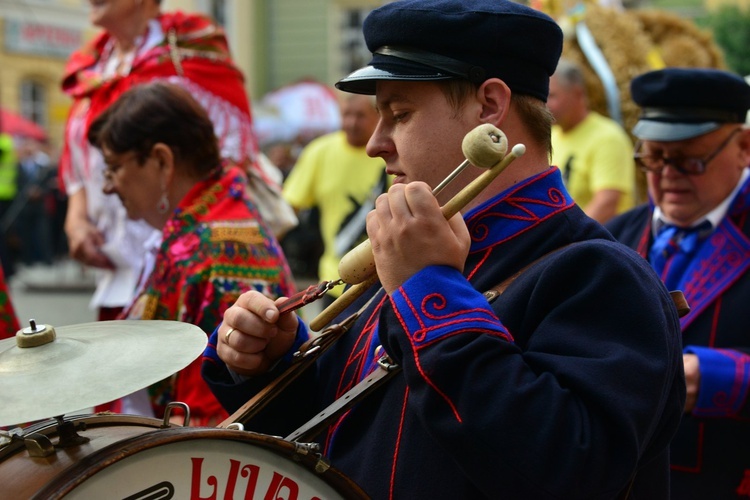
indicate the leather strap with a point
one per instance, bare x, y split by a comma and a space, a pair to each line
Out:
677, 296
498, 290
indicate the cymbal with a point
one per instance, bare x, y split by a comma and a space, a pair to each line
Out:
89, 364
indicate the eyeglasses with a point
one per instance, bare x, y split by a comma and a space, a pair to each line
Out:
687, 165
113, 165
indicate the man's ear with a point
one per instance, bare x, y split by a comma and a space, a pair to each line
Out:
744, 144
494, 96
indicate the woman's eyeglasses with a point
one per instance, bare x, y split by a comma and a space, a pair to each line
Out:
685, 165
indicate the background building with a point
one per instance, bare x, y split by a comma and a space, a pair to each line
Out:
37, 37
275, 42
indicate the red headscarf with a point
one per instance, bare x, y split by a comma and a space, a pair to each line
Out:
194, 47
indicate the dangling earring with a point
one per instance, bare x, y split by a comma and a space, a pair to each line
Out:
163, 206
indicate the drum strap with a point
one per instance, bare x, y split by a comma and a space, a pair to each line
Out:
385, 370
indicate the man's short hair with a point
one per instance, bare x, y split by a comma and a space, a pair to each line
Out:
570, 74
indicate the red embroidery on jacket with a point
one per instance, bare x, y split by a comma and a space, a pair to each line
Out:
398, 444
743, 489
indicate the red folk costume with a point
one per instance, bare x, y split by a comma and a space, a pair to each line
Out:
191, 51
214, 248
8, 320
187, 50
194, 50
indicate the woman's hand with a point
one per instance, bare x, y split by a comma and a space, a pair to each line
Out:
85, 242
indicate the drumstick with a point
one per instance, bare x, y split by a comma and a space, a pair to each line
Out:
484, 146
341, 303
451, 208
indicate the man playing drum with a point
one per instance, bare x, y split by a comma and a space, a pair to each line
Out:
567, 385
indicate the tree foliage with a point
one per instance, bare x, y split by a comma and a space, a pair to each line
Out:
731, 29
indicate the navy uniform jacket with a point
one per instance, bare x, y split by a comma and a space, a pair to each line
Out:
576, 387
710, 454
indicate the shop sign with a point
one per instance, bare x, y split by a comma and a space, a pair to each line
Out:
40, 39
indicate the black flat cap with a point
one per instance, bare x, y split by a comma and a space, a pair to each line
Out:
421, 40
682, 103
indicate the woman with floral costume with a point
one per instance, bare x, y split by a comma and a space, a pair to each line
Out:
139, 44
163, 164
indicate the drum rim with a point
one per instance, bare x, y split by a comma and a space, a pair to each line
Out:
48, 427
99, 460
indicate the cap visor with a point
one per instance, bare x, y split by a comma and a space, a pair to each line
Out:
650, 130
364, 79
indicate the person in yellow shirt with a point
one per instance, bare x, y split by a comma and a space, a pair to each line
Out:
594, 152
8, 191
335, 174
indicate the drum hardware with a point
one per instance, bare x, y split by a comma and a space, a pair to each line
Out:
306, 448
133, 457
40, 445
322, 465
35, 335
168, 413
385, 371
7, 436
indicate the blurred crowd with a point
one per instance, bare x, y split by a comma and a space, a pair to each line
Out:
189, 205
32, 205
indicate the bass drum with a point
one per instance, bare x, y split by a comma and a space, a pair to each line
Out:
132, 458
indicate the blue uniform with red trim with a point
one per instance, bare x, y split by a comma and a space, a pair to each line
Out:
710, 455
563, 387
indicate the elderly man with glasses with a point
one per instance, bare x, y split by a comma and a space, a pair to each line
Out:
695, 231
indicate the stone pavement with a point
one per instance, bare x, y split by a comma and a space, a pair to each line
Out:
59, 295
56, 295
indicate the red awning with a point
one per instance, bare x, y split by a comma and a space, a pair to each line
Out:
14, 124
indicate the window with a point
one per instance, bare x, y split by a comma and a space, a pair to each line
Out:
34, 102
354, 53
219, 11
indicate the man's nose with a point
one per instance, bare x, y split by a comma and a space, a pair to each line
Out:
379, 143
670, 170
